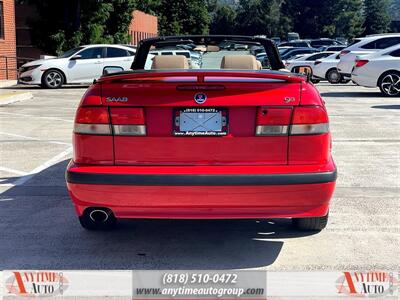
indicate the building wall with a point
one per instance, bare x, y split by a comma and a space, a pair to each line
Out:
8, 42
142, 26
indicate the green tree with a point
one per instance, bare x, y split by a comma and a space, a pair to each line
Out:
223, 21
64, 24
377, 19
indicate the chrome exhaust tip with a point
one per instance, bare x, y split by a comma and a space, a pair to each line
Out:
99, 215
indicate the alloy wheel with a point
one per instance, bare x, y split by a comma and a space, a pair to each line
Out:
390, 84
53, 79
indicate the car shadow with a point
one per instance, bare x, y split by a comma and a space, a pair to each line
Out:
386, 106
351, 94
41, 231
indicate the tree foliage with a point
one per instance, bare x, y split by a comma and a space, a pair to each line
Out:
377, 19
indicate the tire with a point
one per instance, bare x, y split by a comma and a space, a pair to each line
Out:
389, 84
333, 76
311, 224
89, 220
52, 79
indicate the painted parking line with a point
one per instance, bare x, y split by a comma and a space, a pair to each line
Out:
34, 139
9, 170
35, 116
55, 159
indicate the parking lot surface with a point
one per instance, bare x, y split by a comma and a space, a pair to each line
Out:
39, 228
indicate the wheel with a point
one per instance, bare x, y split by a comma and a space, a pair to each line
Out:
98, 219
315, 81
389, 84
52, 79
313, 223
333, 76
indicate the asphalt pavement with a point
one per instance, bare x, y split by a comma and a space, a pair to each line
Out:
39, 228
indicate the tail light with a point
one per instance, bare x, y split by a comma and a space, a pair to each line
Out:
92, 120
344, 52
128, 121
361, 62
309, 137
273, 121
97, 121
309, 120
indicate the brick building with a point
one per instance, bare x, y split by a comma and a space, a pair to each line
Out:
142, 26
7, 40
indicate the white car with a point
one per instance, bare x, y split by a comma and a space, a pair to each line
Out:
362, 46
79, 65
381, 69
305, 60
327, 69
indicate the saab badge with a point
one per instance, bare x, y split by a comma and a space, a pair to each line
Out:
200, 98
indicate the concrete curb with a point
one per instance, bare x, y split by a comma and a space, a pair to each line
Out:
7, 83
11, 97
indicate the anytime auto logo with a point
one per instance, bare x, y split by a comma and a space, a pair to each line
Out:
36, 283
367, 284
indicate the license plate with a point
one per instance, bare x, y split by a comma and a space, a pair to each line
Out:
200, 122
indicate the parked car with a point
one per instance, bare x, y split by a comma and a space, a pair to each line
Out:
295, 51
291, 36
380, 69
362, 46
296, 43
317, 43
168, 143
327, 69
332, 48
254, 50
306, 60
79, 65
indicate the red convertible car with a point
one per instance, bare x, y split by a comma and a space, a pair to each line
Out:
201, 133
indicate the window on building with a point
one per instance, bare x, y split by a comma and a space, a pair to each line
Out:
1, 20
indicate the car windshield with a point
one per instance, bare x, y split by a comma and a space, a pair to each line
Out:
70, 52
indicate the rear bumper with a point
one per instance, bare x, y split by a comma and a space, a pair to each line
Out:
203, 192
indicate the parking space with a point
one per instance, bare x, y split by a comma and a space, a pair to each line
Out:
40, 230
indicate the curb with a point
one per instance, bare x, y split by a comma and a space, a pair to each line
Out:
7, 83
11, 97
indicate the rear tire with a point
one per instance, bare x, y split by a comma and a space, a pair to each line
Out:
389, 84
89, 222
311, 224
333, 76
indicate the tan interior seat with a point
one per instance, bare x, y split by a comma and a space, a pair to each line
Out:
240, 62
170, 62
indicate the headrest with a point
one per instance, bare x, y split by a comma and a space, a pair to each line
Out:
170, 62
239, 62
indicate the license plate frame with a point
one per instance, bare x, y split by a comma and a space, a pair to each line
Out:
200, 121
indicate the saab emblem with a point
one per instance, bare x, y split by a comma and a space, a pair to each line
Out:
117, 99
200, 98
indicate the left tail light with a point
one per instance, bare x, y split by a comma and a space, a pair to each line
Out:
92, 120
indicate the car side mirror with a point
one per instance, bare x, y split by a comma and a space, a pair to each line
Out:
304, 70
112, 69
75, 57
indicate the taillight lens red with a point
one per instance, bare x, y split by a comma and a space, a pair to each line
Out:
361, 62
273, 121
309, 115
92, 115
127, 116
